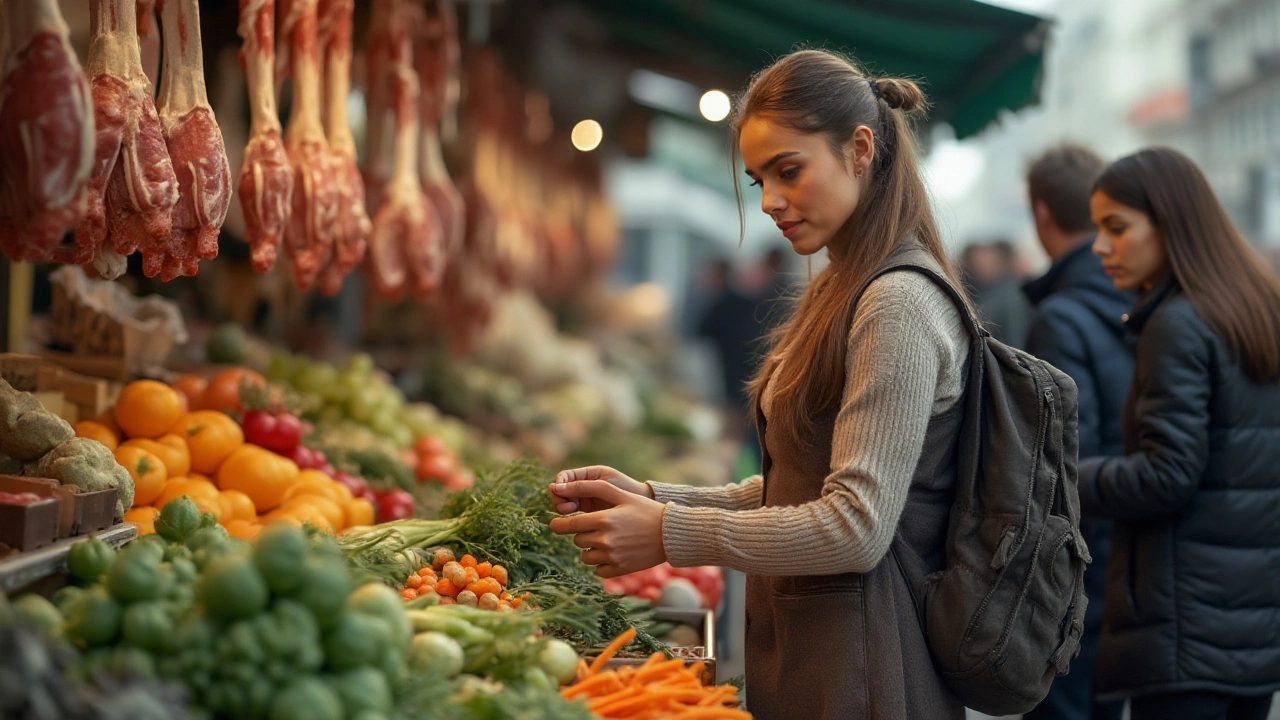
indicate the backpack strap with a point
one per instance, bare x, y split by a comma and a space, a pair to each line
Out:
913, 257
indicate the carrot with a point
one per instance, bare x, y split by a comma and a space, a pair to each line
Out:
613, 649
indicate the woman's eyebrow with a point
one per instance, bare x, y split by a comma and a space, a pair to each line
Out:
771, 161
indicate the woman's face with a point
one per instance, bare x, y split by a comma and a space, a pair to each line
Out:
1131, 248
808, 190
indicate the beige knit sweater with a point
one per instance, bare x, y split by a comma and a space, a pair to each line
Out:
906, 362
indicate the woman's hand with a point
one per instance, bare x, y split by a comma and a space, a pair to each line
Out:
622, 538
568, 504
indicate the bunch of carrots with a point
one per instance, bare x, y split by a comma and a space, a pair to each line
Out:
660, 689
465, 582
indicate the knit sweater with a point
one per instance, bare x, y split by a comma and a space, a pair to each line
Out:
906, 360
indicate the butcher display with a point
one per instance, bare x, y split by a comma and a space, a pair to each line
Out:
133, 188
46, 134
407, 249
353, 227
314, 208
377, 164
436, 55
266, 179
195, 148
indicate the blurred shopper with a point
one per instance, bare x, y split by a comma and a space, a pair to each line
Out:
1077, 328
1192, 628
729, 323
858, 404
990, 270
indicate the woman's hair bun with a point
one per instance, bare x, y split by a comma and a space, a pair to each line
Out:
901, 94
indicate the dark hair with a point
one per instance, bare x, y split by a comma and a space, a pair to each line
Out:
1226, 280
1062, 178
817, 91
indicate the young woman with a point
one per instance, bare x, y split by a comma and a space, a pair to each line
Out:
857, 410
1192, 627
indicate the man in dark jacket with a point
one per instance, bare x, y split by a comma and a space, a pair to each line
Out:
1078, 328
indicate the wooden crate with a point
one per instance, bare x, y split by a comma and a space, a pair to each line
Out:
30, 526
21, 371
80, 511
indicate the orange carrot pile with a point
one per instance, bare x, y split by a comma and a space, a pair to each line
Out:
660, 689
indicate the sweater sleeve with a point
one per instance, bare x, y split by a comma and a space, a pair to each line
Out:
904, 335
741, 496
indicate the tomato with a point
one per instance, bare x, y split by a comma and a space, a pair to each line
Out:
223, 392
439, 467
192, 387
279, 433
395, 505
428, 445
307, 459
356, 485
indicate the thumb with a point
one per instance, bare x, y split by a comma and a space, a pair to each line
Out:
598, 489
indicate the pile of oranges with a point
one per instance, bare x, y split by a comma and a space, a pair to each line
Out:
179, 441
465, 582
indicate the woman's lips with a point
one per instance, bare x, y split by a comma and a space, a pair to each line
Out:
789, 228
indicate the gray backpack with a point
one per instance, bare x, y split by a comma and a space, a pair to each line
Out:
1004, 616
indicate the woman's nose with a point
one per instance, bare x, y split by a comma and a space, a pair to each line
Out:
1101, 245
772, 202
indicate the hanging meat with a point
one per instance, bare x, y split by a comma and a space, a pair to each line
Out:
314, 208
378, 71
133, 188
436, 55
266, 180
149, 39
46, 134
195, 147
353, 227
407, 248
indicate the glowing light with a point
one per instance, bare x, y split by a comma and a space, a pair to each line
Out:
714, 105
587, 135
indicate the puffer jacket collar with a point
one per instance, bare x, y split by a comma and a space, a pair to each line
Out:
1148, 301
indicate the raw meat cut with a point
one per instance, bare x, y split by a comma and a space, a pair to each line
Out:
378, 71
266, 180
436, 56
133, 189
353, 227
149, 39
195, 147
309, 235
407, 248
46, 134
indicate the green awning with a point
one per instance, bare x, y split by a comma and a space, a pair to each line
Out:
974, 59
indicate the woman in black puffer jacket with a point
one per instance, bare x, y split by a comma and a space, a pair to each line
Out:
1192, 627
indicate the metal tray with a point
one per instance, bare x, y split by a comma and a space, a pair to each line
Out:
702, 620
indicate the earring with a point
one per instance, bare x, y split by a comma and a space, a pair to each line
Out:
857, 173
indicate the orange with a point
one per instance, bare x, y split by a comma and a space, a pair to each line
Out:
357, 512
108, 420
177, 487
223, 392
192, 387
327, 507
147, 409
99, 432
243, 529
314, 482
144, 518
238, 506
211, 437
146, 469
259, 473
207, 504
172, 451
277, 517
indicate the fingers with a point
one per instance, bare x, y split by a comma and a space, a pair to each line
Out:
595, 556
567, 507
575, 524
591, 472
591, 539
597, 489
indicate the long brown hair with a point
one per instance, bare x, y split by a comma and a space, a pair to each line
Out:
1227, 281
817, 91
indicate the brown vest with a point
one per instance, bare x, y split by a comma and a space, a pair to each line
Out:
850, 646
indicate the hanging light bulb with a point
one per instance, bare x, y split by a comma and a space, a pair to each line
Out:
587, 135
714, 105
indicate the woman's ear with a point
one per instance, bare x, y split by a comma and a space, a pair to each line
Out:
861, 150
